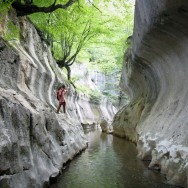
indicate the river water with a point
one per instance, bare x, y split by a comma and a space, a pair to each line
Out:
109, 162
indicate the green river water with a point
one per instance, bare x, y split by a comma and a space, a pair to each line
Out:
109, 162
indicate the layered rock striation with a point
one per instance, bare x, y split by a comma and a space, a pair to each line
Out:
155, 77
35, 141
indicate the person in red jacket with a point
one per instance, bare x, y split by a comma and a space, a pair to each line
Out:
61, 98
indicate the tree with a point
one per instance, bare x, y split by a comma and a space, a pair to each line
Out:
107, 37
71, 46
79, 27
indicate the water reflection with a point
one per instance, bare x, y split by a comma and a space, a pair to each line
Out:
108, 162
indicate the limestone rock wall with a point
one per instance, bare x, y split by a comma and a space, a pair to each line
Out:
35, 141
102, 108
155, 77
97, 80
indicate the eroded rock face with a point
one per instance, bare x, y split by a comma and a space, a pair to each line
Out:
155, 77
35, 141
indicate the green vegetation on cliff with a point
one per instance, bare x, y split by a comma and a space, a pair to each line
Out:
81, 30
90, 31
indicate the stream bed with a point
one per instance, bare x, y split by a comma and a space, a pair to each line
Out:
108, 162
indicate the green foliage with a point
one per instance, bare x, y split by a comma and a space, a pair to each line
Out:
110, 27
4, 7
111, 23
94, 95
111, 98
109, 49
12, 32
103, 60
75, 78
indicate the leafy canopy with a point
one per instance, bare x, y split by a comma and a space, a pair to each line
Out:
111, 23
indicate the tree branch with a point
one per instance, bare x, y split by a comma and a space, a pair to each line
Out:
54, 2
95, 6
27, 9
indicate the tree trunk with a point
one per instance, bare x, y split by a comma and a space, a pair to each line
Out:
68, 72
